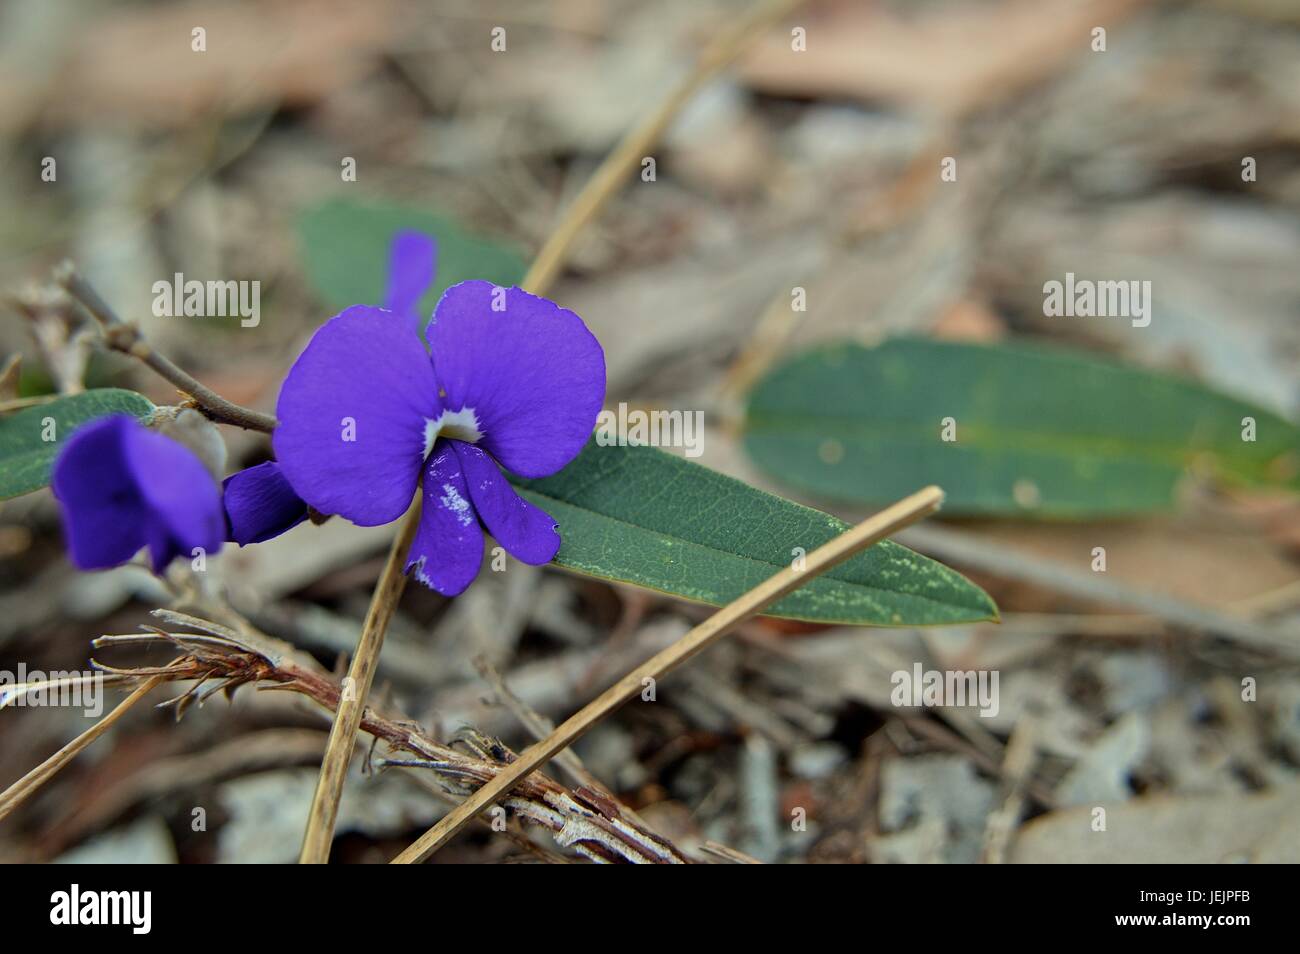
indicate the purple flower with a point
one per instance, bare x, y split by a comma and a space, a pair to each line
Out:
259, 502
122, 487
367, 412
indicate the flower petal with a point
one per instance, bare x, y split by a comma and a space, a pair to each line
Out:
527, 532
103, 514
448, 546
412, 263
352, 417
122, 487
532, 373
260, 504
182, 498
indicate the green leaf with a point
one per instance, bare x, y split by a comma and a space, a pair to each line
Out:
1039, 431
26, 456
345, 247
639, 515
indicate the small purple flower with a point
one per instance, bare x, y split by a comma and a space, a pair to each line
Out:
260, 504
367, 412
122, 487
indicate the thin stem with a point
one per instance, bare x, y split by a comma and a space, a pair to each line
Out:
869, 532
25, 787
126, 338
613, 172
538, 726
338, 751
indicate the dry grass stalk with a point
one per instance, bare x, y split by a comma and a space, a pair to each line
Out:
25, 787
324, 811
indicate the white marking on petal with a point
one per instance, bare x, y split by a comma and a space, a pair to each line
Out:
459, 425
418, 567
457, 505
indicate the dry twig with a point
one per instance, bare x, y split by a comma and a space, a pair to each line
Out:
614, 170
25, 787
219, 660
126, 338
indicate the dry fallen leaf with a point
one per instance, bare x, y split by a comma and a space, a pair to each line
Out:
139, 67
1190, 561
947, 61
1262, 829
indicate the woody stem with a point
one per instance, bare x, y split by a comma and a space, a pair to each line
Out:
126, 338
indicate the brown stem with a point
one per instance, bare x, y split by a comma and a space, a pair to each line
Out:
126, 338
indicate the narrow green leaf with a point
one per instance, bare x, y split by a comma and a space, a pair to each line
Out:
1038, 430
26, 454
639, 515
345, 248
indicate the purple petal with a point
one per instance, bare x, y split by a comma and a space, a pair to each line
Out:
182, 497
260, 504
448, 546
103, 514
532, 373
122, 487
352, 417
412, 263
527, 532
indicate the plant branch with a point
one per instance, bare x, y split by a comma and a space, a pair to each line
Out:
126, 338
869, 532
